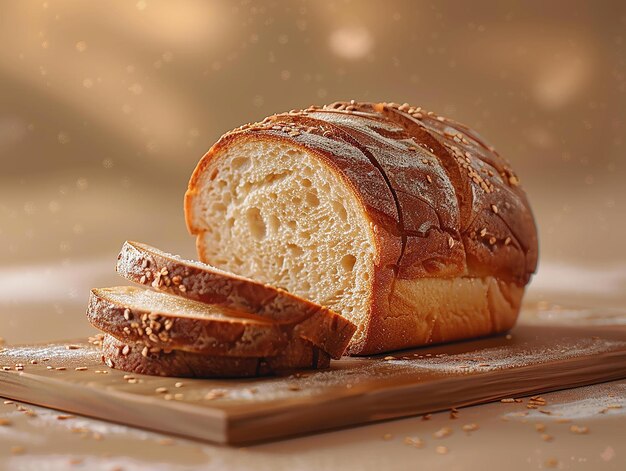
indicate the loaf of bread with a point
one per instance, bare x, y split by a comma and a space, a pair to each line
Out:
138, 358
405, 222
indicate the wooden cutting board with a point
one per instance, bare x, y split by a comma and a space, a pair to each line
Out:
531, 360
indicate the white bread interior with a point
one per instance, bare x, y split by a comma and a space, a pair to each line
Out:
276, 213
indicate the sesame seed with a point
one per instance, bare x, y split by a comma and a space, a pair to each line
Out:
144, 352
60, 368
507, 241
443, 432
178, 385
450, 242
145, 263
65, 417
72, 347
215, 394
125, 350
80, 368
414, 441
507, 400
160, 390
441, 450
494, 208
294, 387
142, 280
389, 358
6, 403
551, 463
429, 178
579, 429
492, 240
470, 427
182, 288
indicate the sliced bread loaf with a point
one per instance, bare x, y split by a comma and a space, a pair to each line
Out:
406, 223
140, 359
242, 297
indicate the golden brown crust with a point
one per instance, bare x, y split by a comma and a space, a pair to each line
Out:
242, 297
140, 359
211, 336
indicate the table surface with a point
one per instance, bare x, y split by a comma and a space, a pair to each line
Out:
583, 431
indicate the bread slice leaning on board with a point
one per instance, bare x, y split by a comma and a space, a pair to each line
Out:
138, 358
235, 296
405, 222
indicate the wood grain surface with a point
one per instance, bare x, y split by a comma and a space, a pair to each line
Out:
532, 359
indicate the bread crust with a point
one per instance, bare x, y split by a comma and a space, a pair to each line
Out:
210, 336
137, 358
242, 297
452, 209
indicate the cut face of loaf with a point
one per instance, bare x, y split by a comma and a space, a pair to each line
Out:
288, 220
405, 222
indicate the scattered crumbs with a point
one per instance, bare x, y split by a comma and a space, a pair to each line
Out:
539, 427
546, 438
65, 417
160, 390
386, 437
96, 436
80, 368
178, 385
426, 416
5, 422
441, 450
414, 442
60, 368
470, 427
454, 413
72, 347
507, 400
165, 441
443, 432
551, 463
579, 429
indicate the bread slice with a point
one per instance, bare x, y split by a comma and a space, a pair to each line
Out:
168, 322
243, 297
138, 358
404, 222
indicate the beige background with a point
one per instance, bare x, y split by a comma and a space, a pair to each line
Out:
105, 108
